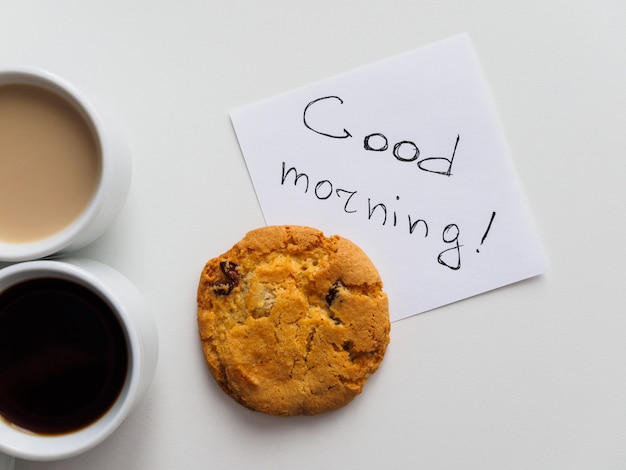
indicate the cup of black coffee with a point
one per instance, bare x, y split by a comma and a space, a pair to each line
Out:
78, 349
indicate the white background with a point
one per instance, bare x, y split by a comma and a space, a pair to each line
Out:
531, 376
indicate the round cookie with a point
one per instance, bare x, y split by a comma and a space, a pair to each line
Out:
292, 322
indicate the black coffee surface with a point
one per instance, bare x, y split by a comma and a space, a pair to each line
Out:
63, 356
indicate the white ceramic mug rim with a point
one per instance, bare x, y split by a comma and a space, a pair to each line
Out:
58, 241
39, 447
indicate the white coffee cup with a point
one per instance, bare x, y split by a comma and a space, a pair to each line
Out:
112, 185
141, 343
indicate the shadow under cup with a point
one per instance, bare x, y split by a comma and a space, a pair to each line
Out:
116, 340
65, 167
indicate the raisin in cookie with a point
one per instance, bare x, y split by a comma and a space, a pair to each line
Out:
292, 322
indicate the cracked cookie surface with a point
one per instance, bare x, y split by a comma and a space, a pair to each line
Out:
292, 322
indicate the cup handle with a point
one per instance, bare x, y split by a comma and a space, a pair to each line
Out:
7, 462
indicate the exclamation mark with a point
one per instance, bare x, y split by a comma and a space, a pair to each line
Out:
493, 216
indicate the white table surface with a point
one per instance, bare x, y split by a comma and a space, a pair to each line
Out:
531, 376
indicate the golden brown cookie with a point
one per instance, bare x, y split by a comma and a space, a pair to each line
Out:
292, 322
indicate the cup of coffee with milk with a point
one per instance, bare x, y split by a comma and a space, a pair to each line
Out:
78, 346
64, 167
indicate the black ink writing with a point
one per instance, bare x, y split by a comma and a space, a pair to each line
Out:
319, 189
412, 225
324, 190
415, 152
378, 212
451, 258
345, 134
493, 216
371, 210
339, 192
405, 151
384, 145
427, 162
296, 177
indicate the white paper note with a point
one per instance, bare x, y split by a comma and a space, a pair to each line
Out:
406, 158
